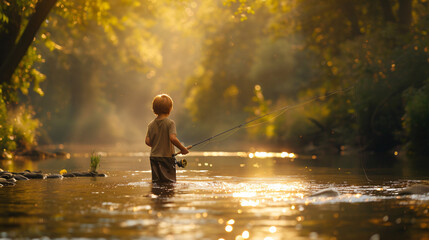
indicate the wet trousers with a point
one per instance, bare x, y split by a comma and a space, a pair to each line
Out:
163, 169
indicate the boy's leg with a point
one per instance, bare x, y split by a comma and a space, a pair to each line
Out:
163, 169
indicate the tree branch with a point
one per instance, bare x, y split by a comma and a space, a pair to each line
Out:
15, 56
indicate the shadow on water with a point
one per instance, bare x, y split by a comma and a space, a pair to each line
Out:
162, 194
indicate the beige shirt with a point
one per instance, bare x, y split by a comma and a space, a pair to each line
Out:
159, 132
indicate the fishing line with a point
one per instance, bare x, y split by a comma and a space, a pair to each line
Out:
282, 110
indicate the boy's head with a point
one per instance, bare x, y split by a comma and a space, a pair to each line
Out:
162, 104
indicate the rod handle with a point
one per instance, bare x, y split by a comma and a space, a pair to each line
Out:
188, 147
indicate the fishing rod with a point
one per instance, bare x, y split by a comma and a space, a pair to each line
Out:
183, 163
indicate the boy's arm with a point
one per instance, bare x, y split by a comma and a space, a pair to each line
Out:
178, 144
147, 141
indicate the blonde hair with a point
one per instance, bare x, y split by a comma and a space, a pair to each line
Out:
162, 104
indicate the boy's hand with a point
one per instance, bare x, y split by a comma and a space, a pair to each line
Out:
184, 151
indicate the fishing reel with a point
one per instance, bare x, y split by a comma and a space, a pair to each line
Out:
181, 163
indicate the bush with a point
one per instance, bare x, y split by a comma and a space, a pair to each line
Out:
17, 129
416, 119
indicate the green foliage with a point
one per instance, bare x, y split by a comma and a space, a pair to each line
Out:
95, 162
377, 48
17, 129
416, 119
24, 128
7, 143
99, 63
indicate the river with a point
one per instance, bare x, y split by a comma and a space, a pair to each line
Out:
219, 195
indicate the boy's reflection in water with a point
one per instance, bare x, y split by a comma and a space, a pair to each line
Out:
163, 192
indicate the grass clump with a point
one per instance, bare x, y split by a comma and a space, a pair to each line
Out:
95, 162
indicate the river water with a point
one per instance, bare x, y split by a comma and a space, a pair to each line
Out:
218, 196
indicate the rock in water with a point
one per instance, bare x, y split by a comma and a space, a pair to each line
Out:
6, 175
69, 175
19, 177
11, 180
54, 176
5, 182
86, 174
326, 193
82, 174
34, 175
415, 189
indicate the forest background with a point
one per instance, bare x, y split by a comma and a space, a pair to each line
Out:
89, 73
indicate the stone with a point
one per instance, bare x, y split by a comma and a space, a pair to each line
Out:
89, 174
11, 180
326, 193
84, 174
54, 176
415, 189
69, 175
19, 177
62, 154
34, 175
6, 175
5, 182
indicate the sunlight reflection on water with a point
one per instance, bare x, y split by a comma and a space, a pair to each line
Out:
227, 198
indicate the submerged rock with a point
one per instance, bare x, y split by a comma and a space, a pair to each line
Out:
62, 154
415, 189
5, 182
54, 176
326, 193
34, 175
6, 175
11, 180
19, 177
88, 174
69, 175
82, 174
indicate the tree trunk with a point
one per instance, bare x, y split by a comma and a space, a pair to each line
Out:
387, 11
404, 14
10, 30
15, 56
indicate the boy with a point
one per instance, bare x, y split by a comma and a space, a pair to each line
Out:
161, 136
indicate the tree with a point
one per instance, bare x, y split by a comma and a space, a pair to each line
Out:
376, 46
15, 45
